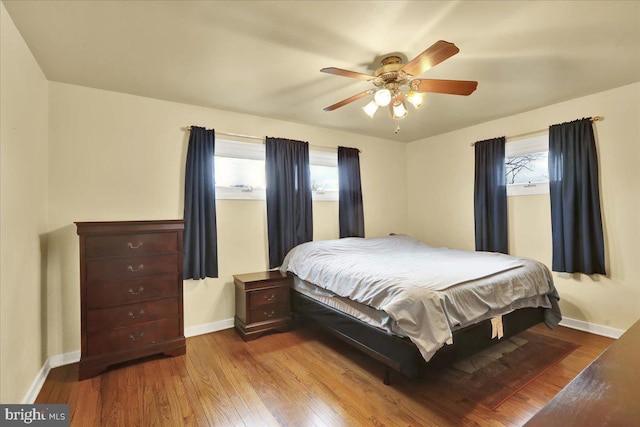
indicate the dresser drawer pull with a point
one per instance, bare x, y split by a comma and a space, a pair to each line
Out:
139, 291
132, 246
134, 269
134, 338
269, 315
135, 316
270, 297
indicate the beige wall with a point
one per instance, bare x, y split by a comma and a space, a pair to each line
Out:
121, 157
440, 194
23, 213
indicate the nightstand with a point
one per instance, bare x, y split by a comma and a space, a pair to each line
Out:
262, 303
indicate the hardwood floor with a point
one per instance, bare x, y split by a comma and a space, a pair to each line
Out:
301, 378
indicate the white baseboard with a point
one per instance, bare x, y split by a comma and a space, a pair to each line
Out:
49, 364
207, 328
580, 325
64, 359
36, 385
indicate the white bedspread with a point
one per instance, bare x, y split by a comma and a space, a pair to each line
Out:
409, 280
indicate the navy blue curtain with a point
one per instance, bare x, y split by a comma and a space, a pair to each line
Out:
289, 218
350, 212
200, 235
576, 223
490, 196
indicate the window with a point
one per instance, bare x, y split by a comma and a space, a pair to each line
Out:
240, 172
324, 175
526, 166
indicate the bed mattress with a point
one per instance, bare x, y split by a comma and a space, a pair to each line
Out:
386, 283
381, 320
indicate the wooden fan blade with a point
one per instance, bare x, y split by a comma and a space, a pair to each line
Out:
431, 57
453, 87
348, 100
347, 73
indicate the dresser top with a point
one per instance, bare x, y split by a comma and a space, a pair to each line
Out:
99, 227
605, 393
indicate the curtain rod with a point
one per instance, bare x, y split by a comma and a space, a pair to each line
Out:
261, 139
533, 132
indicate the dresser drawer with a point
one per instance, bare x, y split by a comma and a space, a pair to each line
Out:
130, 245
109, 318
268, 296
110, 293
268, 312
129, 268
134, 336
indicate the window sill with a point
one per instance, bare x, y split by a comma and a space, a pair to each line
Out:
527, 189
225, 193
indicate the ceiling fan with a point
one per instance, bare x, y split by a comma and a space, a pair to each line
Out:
396, 82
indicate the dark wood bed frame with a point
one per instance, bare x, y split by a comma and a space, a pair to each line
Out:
400, 354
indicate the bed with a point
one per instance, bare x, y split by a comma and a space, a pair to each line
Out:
406, 303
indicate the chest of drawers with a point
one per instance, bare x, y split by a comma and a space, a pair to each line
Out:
262, 303
130, 292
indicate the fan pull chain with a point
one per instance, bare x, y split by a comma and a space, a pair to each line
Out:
397, 126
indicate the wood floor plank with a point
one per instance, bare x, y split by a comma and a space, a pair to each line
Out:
113, 389
304, 377
87, 410
253, 408
207, 376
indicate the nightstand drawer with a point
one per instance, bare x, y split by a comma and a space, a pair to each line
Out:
110, 293
268, 312
130, 245
124, 315
133, 336
130, 268
268, 296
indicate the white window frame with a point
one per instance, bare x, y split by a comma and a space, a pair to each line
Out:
256, 151
530, 144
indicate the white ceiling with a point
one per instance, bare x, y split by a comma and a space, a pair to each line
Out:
263, 57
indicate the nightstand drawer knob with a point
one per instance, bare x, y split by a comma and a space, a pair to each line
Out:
132, 246
138, 338
135, 316
139, 291
134, 269
270, 297
269, 315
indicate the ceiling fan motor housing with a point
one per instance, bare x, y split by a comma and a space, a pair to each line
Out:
389, 74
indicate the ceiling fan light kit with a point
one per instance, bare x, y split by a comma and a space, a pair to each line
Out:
382, 97
395, 82
399, 110
415, 98
371, 108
